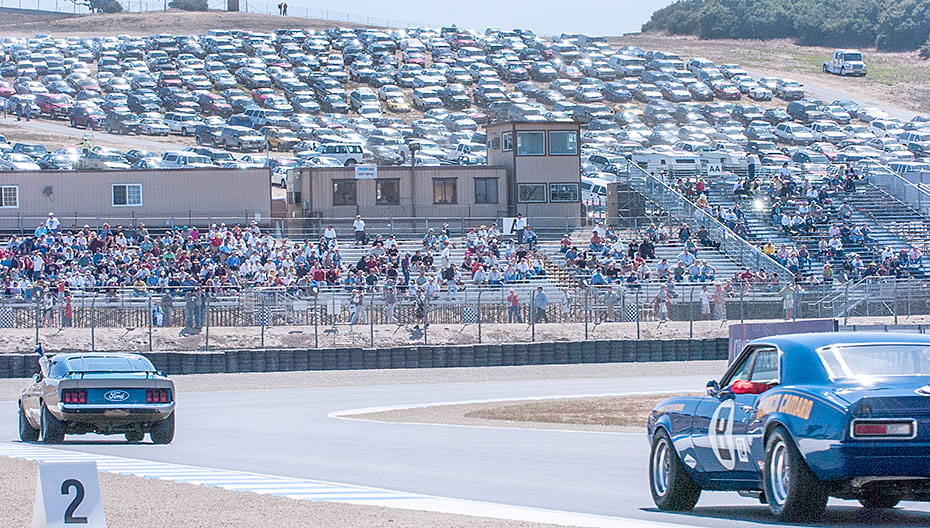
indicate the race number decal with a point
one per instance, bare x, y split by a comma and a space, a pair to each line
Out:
721, 435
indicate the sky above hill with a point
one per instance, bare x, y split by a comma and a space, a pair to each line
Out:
598, 17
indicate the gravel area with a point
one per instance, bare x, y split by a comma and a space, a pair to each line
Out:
146, 503
10, 388
619, 414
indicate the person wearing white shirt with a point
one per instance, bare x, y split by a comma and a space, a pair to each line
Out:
330, 235
52, 224
359, 226
519, 226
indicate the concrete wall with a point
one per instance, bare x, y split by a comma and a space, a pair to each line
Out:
82, 197
275, 360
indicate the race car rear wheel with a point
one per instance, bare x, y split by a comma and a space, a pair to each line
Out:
163, 432
792, 490
671, 486
53, 431
877, 501
26, 432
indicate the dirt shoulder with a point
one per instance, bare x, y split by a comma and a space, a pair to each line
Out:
621, 414
148, 503
899, 80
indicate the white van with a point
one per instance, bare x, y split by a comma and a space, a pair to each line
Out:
911, 170
176, 159
593, 190
347, 153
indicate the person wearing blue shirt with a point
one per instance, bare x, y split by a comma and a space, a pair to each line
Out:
540, 301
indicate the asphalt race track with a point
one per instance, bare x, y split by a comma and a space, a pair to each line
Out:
289, 433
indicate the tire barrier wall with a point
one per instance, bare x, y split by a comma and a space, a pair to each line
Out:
502, 355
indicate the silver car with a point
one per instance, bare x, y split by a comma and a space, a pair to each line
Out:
102, 393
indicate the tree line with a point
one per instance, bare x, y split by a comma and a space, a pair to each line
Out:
889, 25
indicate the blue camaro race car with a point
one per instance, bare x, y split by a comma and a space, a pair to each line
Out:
800, 418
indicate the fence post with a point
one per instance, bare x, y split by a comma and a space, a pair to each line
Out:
261, 319
38, 317
691, 315
896, 302
478, 314
742, 305
316, 322
371, 321
93, 320
587, 290
846, 303
637, 315
206, 323
533, 316
150, 321
425, 318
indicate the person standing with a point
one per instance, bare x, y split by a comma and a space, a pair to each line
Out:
540, 302
611, 302
359, 226
67, 313
284, 11
720, 307
705, 303
48, 305
390, 301
752, 161
787, 294
519, 226
513, 307
661, 303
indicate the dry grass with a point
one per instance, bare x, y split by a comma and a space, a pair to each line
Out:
618, 411
895, 79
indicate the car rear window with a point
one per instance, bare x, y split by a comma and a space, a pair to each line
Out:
109, 364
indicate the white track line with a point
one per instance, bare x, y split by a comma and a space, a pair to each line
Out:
316, 490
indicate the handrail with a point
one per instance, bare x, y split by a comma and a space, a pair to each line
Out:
737, 248
902, 189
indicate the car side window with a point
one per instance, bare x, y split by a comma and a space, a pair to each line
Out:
765, 367
742, 371
58, 370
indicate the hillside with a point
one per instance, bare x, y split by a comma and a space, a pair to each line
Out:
150, 23
887, 25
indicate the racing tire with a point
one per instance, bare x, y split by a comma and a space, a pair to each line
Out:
135, 436
672, 487
163, 432
876, 501
26, 432
792, 490
53, 431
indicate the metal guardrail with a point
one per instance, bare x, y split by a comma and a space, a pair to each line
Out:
670, 200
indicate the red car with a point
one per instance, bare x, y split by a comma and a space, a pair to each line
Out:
55, 105
414, 57
6, 91
213, 104
726, 91
260, 94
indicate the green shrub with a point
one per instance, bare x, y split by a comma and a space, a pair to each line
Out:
190, 5
925, 50
112, 7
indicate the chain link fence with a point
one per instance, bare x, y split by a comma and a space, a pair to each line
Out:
190, 319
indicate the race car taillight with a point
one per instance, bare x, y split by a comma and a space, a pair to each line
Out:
74, 396
884, 429
157, 396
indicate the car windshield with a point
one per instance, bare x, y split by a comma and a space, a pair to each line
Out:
858, 361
